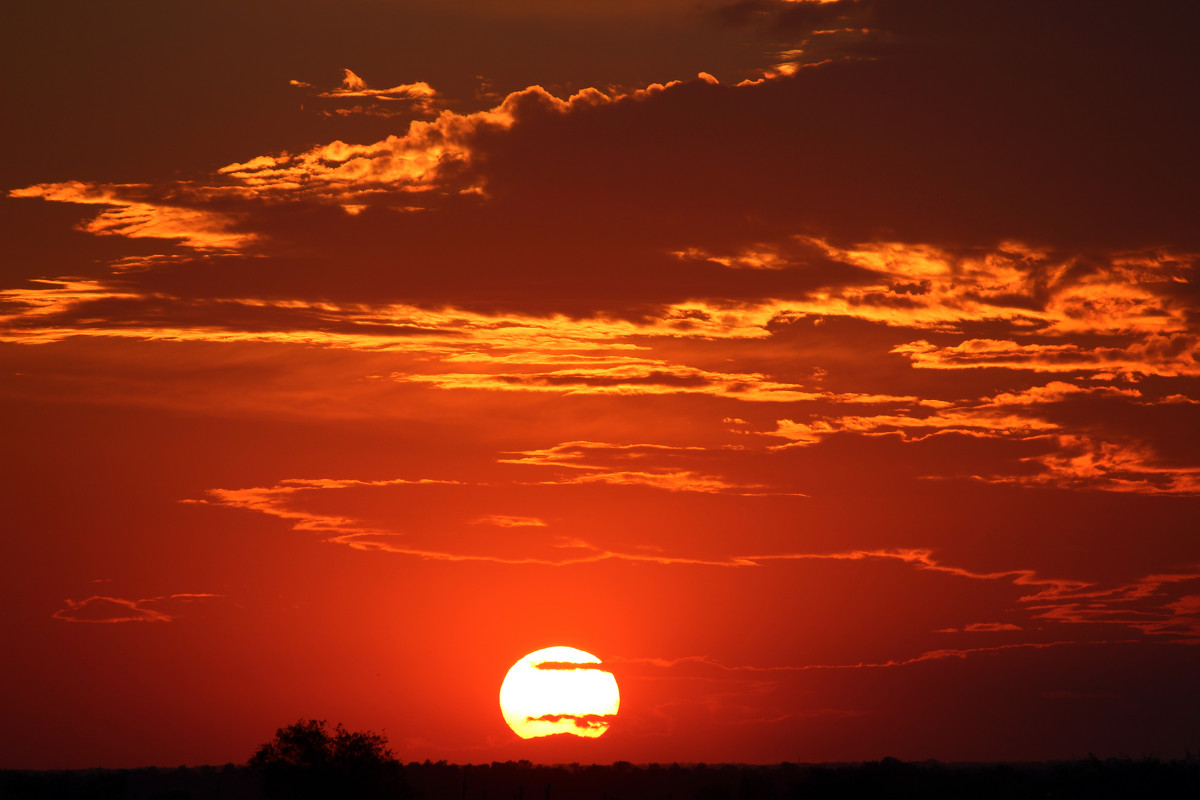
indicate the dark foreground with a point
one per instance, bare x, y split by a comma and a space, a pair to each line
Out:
889, 778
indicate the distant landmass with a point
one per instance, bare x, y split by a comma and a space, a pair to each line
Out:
1092, 778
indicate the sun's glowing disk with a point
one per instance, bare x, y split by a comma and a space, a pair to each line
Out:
559, 690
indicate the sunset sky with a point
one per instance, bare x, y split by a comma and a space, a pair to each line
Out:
830, 370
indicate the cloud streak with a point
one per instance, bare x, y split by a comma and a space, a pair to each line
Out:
110, 610
1163, 602
412, 98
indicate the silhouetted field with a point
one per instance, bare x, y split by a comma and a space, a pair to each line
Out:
1091, 778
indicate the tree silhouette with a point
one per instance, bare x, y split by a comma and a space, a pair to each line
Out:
304, 761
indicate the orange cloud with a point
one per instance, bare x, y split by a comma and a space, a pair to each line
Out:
595, 462
1154, 605
1078, 460
970, 422
419, 93
1056, 392
103, 609
509, 521
355, 98
48, 312
1176, 355
1084, 462
627, 379
1159, 604
430, 155
577, 454
135, 212
991, 627
924, 286
708, 663
671, 481
1012, 414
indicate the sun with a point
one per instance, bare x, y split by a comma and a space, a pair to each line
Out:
559, 690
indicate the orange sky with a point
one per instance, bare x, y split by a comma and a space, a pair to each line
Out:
830, 370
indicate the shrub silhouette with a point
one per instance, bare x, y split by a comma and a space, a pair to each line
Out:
306, 762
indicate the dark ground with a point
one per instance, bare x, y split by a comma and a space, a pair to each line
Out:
1091, 778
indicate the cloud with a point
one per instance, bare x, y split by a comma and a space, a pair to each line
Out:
1175, 355
1160, 604
353, 83
1154, 605
438, 155
1150, 606
487, 171
428, 156
627, 379
1057, 392
138, 211
536, 179
103, 609
509, 521
1019, 414
1085, 463
54, 309
986, 627
922, 558
273, 500
576, 454
1054, 418
913, 428
286, 501
594, 462
1035, 289
582, 721
571, 665
696, 666
406, 99
671, 481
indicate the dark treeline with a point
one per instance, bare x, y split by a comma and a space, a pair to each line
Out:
1091, 778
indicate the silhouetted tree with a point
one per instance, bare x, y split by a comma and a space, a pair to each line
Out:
305, 762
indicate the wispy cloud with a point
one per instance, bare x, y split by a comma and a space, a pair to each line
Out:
510, 521
105, 609
700, 665
139, 211
355, 97
984, 627
1086, 463
608, 463
1150, 605
1164, 355
1071, 457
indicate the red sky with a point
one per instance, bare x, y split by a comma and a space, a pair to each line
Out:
830, 370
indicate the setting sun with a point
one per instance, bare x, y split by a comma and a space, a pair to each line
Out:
559, 690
